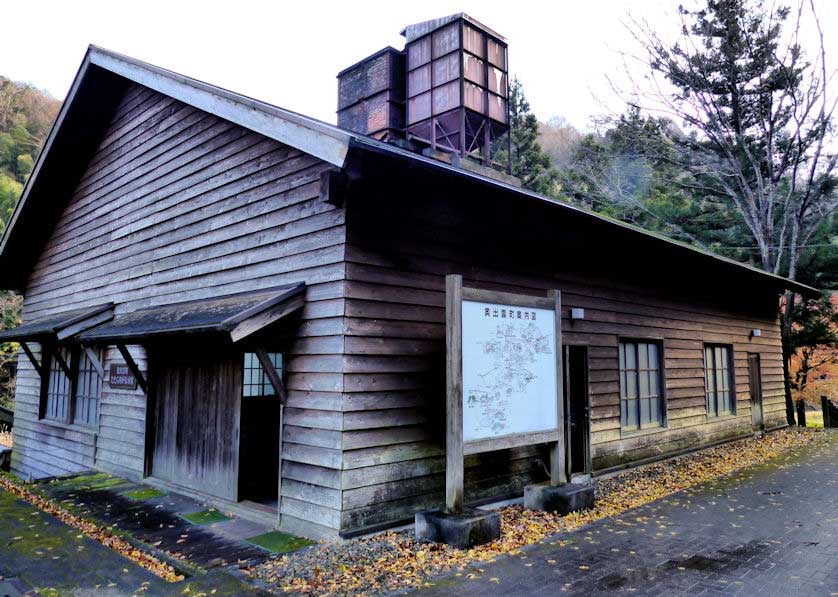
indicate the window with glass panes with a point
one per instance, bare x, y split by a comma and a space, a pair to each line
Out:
255, 381
88, 389
58, 388
718, 378
73, 403
641, 399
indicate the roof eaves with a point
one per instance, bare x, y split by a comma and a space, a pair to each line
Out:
319, 139
39, 162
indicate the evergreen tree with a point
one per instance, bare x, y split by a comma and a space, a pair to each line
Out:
529, 162
759, 122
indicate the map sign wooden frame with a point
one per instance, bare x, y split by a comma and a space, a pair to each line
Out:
511, 309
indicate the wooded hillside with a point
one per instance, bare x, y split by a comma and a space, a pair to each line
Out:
26, 115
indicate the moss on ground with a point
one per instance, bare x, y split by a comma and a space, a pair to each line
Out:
278, 542
205, 517
88, 482
140, 495
30, 532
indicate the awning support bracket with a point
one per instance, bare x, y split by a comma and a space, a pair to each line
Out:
94, 360
132, 365
272, 373
59, 358
38, 368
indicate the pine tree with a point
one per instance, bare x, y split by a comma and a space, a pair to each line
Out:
529, 162
759, 121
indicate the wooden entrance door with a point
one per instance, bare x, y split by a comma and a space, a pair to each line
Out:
578, 422
755, 383
196, 426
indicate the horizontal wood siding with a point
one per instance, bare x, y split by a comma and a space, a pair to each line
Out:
120, 447
179, 205
394, 384
44, 450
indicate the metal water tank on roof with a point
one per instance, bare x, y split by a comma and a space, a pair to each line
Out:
457, 86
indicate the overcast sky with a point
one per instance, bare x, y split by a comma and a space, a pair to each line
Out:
288, 53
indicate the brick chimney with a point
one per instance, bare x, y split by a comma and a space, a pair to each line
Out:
371, 95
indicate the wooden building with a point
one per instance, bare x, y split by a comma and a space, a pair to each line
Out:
190, 256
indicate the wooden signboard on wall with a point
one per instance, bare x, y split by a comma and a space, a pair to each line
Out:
504, 377
121, 376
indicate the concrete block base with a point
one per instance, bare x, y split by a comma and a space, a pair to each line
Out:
471, 527
562, 498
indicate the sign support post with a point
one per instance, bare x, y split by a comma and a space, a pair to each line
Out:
558, 464
454, 391
504, 389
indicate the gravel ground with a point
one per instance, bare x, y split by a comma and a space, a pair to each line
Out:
394, 561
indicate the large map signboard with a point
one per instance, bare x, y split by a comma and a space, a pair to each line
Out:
503, 378
509, 370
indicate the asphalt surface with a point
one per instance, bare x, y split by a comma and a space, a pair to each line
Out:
768, 530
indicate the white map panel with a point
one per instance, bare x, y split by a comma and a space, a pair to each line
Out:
509, 370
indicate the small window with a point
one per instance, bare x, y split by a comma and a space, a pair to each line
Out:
76, 403
88, 389
58, 387
256, 382
640, 385
718, 378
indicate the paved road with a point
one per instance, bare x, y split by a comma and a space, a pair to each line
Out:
771, 530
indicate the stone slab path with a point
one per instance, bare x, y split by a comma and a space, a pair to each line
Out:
157, 521
39, 552
769, 530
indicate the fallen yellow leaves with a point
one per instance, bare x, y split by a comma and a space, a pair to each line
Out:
393, 561
94, 531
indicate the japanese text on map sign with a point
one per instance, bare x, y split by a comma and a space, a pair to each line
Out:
509, 370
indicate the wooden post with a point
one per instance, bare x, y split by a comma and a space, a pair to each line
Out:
279, 477
558, 455
801, 413
454, 393
825, 409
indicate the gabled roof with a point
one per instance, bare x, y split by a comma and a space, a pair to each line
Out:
80, 120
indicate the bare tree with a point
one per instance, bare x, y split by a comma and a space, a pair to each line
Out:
758, 116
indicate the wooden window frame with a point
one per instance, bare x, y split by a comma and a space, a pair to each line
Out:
93, 379
48, 360
664, 419
731, 376
264, 376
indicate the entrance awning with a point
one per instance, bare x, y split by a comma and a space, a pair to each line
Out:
59, 327
236, 316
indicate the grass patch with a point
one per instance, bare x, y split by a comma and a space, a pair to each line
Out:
814, 418
278, 542
205, 517
147, 493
